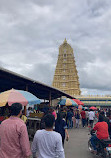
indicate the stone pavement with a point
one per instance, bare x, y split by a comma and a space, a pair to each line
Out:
77, 146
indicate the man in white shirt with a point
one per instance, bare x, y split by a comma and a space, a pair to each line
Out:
47, 143
91, 117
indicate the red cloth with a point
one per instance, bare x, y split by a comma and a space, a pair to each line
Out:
54, 114
102, 130
1, 118
83, 114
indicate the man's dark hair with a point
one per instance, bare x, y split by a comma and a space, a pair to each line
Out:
15, 109
49, 121
59, 117
101, 119
63, 115
102, 113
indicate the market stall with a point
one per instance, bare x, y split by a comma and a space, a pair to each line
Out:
33, 123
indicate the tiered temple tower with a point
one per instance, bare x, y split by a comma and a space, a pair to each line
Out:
66, 77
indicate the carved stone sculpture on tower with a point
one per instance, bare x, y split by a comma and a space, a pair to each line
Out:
66, 77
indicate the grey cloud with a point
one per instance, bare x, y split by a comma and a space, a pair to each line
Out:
45, 74
86, 91
97, 6
96, 76
81, 55
32, 31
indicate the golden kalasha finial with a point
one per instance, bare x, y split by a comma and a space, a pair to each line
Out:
65, 41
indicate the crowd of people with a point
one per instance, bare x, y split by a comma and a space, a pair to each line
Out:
49, 141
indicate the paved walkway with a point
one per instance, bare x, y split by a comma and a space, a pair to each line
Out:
77, 146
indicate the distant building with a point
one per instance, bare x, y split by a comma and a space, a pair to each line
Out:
95, 100
66, 75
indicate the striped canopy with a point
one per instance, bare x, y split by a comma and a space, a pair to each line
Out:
18, 96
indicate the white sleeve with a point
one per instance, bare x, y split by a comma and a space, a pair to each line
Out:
34, 146
94, 114
59, 147
88, 114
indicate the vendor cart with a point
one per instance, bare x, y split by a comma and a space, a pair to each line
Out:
33, 123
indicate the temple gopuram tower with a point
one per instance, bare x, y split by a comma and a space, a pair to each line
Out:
66, 77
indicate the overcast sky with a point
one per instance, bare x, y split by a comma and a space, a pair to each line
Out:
32, 30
